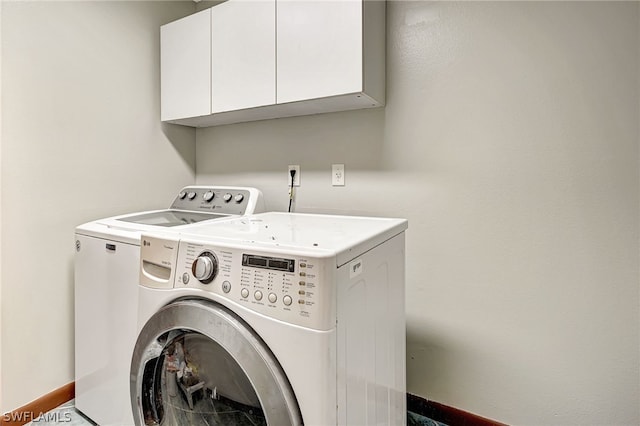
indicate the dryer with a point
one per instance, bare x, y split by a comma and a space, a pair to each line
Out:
273, 318
106, 291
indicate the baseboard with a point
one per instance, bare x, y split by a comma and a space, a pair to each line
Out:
40, 406
444, 414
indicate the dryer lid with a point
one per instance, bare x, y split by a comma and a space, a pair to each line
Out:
170, 218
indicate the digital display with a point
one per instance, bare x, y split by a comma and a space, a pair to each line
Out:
258, 262
279, 264
265, 262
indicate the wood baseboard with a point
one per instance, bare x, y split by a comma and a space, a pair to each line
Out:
445, 414
41, 405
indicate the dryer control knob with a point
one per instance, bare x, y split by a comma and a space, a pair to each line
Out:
205, 267
227, 197
239, 198
208, 196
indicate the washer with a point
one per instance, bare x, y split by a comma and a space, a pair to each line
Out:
106, 291
274, 318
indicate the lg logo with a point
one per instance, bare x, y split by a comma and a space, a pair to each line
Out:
355, 268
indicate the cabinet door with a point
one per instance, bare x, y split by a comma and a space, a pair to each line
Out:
319, 48
185, 63
243, 46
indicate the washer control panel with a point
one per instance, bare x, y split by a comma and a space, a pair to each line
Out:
217, 199
289, 287
281, 286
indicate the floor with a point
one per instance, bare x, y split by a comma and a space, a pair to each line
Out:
64, 414
68, 415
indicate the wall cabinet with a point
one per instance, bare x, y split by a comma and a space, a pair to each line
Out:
272, 58
185, 67
243, 49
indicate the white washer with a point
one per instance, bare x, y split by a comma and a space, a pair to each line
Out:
106, 291
273, 318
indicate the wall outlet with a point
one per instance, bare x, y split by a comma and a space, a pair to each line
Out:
337, 174
296, 178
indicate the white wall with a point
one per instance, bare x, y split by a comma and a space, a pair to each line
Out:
1, 3
81, 139
510, 142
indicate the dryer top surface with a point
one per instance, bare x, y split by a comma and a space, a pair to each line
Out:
345, 237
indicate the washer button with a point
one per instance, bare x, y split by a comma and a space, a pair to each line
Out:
257, 295
226, 286
287, 300
272, 297
185, 278
244, 293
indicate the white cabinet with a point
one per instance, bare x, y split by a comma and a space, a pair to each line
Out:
243, 61
185, 67
276, 58
319, 49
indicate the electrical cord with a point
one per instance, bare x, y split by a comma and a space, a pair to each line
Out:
292, 172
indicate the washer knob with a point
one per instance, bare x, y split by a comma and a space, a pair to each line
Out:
227, 197
191, 195
182, 194
239, 198
208, 196
205, 267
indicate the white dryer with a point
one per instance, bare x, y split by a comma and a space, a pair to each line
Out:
106, 291
274, 318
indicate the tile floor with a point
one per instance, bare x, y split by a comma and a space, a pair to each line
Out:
65, 414
68, 415
414, 419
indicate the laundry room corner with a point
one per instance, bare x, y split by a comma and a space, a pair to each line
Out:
501, 163
80, 139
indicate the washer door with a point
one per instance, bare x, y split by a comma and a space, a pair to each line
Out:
197, 363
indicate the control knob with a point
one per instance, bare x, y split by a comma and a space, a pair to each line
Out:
208, 196
239, 198
205, 267
227, 197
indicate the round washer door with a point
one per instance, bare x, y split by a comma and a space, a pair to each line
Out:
197, 363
